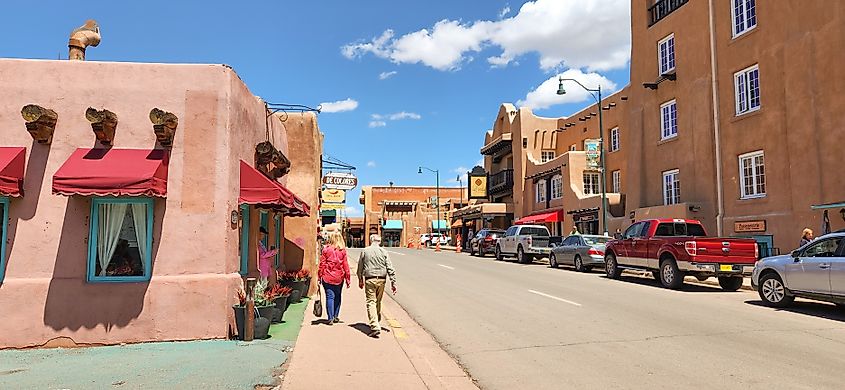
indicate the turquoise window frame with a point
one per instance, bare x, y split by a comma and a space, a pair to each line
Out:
4, 230
263, 221
278, 240
92, 241
244, 239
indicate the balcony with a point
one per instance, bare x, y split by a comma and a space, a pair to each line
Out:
501, 182
662, 9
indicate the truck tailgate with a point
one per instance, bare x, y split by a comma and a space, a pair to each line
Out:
722, 250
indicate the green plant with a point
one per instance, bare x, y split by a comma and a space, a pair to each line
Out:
277, 291
258, 294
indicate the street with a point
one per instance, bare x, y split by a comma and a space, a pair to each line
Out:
515, 326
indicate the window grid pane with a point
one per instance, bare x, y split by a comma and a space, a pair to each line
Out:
754, 88
617, 182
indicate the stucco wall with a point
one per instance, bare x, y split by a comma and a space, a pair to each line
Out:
195, 248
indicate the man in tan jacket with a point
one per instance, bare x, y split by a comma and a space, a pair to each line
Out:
374, 267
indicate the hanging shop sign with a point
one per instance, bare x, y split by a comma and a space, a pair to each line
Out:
332, 206
477, 183
340, 181
593, 152
750, 226
333, 196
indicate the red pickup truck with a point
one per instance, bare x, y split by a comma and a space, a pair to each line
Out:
674, 248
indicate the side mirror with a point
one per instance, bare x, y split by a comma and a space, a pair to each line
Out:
795, 254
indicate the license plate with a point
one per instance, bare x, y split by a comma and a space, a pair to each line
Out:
726, 267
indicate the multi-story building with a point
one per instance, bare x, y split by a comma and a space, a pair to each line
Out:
730, 118
401, 214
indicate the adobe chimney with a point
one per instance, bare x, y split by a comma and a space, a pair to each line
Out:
86, 35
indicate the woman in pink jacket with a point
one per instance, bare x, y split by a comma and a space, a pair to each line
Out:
333, 271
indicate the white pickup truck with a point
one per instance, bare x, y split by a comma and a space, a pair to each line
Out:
525, 242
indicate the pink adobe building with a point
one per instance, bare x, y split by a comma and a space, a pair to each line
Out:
172, 219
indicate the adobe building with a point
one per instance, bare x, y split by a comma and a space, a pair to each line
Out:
401, 214
731, 120
132, 195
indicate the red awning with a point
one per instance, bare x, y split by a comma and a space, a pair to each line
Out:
555, 216
261, 190
113, 172
12, 160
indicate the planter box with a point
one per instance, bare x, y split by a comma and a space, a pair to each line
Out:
262, 324
281, 304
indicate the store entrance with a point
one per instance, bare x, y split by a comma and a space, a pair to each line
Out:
587, 223
392, 238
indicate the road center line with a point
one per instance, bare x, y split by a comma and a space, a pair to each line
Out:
555, 298
446, 266
396, 253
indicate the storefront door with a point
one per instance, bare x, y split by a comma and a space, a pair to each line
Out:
392, 238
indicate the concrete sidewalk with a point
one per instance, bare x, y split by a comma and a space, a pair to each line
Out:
342, 356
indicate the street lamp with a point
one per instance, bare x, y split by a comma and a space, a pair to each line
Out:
461, 184
437, 175
596, 94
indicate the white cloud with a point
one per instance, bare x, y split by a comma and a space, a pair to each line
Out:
545, 95
387, 75
353, 211
404, 115
505, 11
377, 124
339, 106
461, 170
371, 164
380, 120
586, 34
480, 162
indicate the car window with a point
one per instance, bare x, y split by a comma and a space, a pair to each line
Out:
568, 241
535, 231
511, 230
665, 229
695, 230
633, 230
823, 248
596, 240
646, 226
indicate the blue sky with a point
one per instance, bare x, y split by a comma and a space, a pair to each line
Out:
420, 82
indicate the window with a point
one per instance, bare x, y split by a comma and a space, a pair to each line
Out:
753, 173
547, 155
666, 53
591, 183
541, 191
120, 242
633, 230
573, 147
671, 187
557, 187
669, 120
4, 222
534, 232
511, 231
617, 181
825, 248
747, 83
245, 239
614, 139
745, 16
679, 229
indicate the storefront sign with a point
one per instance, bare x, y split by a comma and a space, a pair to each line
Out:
333, 196
332, 206
750, 226
340, 181
477, 183
593, 151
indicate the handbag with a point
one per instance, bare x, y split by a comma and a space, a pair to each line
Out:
318, 304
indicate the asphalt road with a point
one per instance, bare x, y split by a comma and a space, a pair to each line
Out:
515, 326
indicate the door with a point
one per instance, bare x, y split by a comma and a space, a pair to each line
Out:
627, 238
638, 252
507, 242
837, 271
810, 271
567, 251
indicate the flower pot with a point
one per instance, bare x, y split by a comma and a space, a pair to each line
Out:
262, 325
306, 287
295, 295
281, 305
266, 311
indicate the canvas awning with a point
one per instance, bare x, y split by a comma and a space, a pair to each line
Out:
392, 224
258, 189
113, 172
554, 216
12, 161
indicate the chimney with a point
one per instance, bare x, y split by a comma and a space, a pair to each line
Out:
86, 35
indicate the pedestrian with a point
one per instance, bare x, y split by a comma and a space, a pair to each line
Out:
574, 231
618, 234
265, 256
806, 237
332, 272
374, 267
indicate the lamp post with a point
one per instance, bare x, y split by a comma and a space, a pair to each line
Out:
596, 94
437, 175
461, 184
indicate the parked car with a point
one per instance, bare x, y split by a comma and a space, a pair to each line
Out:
584, 252
525, 242
434, 238
674, 248
424, 239
484, 241
814, 271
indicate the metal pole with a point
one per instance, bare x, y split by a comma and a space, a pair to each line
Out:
601, 157
437, 175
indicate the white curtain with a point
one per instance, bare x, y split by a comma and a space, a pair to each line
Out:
139, 217
111, 221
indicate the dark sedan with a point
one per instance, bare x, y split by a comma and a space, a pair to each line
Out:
484, 242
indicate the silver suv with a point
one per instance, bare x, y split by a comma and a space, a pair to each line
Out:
815, 271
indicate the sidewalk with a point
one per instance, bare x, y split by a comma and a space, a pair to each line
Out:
342, 356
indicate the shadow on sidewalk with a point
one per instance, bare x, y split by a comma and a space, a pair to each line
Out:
321, 321
365, 328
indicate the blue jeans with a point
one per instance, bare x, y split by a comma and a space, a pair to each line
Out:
333, 294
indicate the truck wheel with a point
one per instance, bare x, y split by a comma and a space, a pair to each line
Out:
730, 283
611, 268
670, 276
773, 292
579, 264
553, 260
521, 257
656, 275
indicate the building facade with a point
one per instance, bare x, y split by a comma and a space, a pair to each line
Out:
401, 214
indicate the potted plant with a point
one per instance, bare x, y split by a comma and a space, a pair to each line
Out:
296, 281
278, 294
262, 308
